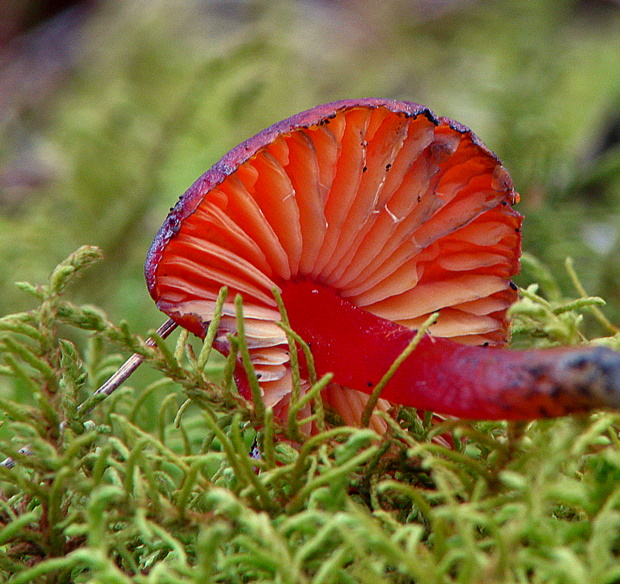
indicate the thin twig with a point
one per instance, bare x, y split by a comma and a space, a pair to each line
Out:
127, 368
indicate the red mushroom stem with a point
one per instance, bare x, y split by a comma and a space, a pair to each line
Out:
442, 375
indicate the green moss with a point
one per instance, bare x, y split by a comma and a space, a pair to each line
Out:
157, 483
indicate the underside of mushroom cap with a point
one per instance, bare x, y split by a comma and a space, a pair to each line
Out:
398, 211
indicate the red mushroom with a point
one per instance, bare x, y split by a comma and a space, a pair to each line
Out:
369, 215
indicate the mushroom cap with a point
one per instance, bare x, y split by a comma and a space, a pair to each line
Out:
400, 212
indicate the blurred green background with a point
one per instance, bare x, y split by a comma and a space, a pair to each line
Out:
109, 110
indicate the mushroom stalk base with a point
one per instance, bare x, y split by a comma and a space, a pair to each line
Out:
444, 376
